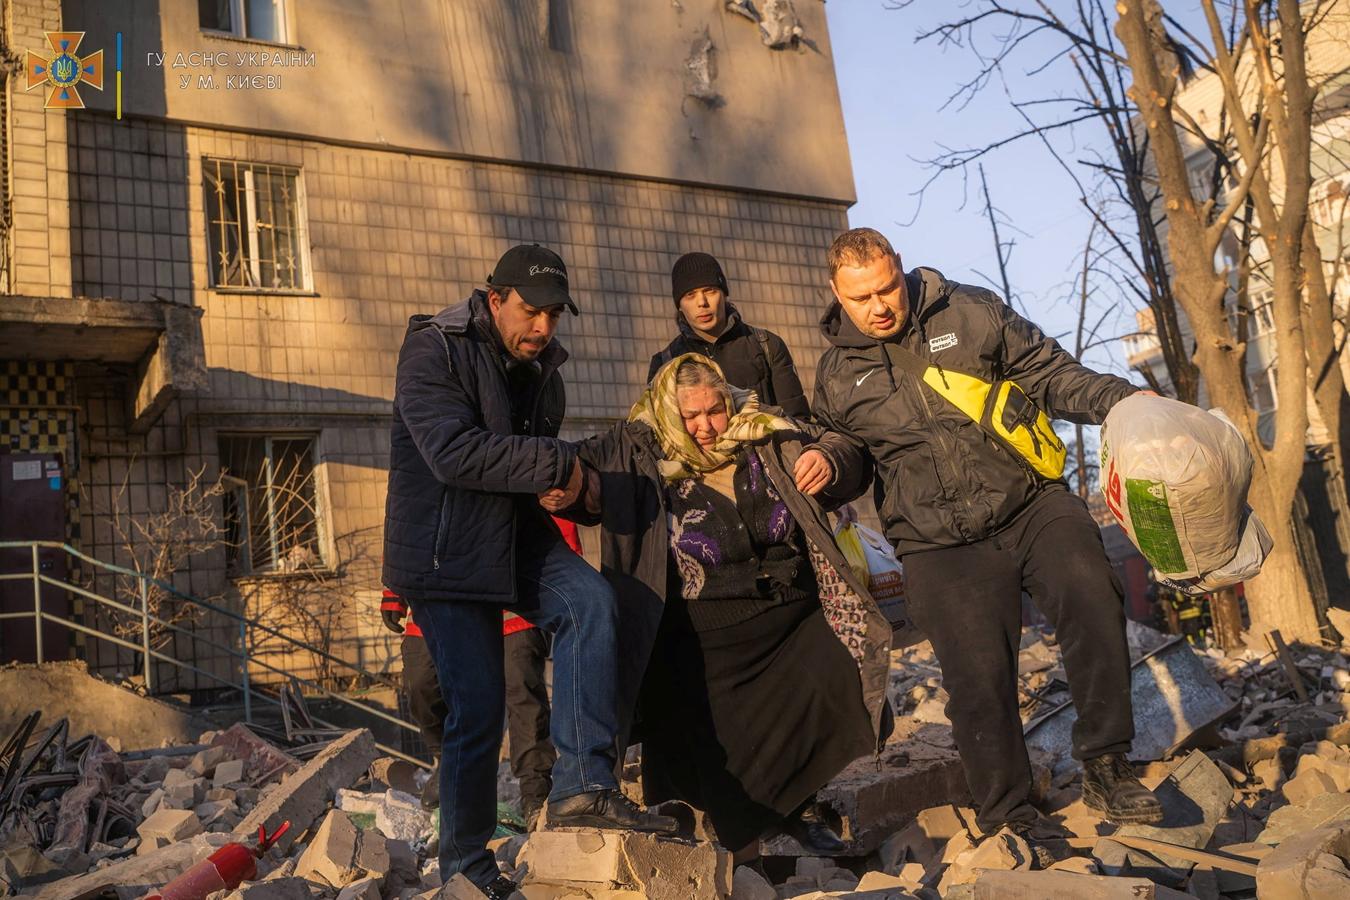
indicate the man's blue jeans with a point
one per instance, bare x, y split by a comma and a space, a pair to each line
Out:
559, 592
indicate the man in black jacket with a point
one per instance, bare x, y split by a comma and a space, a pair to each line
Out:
478, 402
975, 523
751, 358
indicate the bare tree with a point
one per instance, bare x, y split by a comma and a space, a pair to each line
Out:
159, 544
1251, 203
1121, 196
1278, 120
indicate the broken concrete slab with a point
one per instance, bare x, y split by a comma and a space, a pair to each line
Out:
1195, 798
231, 771
274, 889
1317, 813
880, 881
664, 869
457, 888
871, 799
260, 757
213, 811
661, 868
592, 856
302, 796
1308, 785
747, 884
401, 817
1309, 865
340, 853
1174, 697
909, 844
1053, 885
833, 878
152, 802
1002, 850
362, 889
144, 872
205, 761
167, 826
358, 803
1334, 765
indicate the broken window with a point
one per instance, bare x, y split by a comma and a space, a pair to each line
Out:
261, 20
256, 226
271, 507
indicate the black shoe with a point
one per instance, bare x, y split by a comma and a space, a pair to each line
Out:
431, 791
1047, 840
607, 809
1111, 788
809, 829
500, 889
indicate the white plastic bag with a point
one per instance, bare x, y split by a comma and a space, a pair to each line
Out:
1176, 477
871, 558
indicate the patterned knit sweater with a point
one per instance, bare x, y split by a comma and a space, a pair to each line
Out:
735, 560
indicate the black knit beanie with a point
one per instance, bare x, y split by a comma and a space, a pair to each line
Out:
696, 270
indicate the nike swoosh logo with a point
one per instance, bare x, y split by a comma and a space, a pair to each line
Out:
859, 382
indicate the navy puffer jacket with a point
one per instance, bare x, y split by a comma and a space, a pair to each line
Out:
457, 473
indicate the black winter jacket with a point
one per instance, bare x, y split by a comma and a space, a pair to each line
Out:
635, 547
941, 480
457, 473
751, 358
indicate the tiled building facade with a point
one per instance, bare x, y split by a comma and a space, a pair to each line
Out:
304, 255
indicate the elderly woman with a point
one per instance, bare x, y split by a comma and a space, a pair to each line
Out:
761, 658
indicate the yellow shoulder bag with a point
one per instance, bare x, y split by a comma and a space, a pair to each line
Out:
1001, 408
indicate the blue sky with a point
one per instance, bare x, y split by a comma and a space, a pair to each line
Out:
893, 91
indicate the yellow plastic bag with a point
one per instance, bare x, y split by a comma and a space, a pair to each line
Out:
851, 546
871, 558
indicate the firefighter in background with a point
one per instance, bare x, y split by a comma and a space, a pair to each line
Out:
1192, 615
527, 705
1176, 612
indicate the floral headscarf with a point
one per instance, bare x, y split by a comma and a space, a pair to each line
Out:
684, 458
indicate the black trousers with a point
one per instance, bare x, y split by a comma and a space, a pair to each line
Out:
527, 707
967, 600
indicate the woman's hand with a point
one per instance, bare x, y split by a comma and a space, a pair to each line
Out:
813, 472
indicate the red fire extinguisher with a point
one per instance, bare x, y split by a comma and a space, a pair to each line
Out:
225, 869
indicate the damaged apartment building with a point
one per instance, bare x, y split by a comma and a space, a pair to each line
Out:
209, 263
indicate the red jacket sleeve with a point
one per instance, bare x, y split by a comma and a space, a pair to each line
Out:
569, 533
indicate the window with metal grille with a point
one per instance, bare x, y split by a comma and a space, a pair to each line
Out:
255, 225
271, 508
261, 20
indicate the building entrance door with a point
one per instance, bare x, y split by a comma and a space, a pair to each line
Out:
32, 508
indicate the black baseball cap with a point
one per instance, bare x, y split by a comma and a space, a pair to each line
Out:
537, 272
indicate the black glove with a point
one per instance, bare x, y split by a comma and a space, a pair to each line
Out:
393, 610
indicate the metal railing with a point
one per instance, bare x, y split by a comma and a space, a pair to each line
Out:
241, 658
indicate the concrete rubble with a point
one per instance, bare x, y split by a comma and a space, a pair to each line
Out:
1257, 802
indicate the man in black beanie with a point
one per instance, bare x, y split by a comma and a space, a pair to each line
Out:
752, 358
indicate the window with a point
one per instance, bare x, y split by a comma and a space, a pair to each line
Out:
271, 510
256, 226
261, 20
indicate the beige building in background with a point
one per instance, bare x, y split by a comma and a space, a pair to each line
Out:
219, 282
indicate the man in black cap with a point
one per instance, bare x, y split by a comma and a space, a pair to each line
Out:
474, 448
752, 358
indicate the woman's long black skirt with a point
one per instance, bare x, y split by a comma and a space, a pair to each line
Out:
748, 721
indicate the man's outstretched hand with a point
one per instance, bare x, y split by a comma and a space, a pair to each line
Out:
812, 472
558, 499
